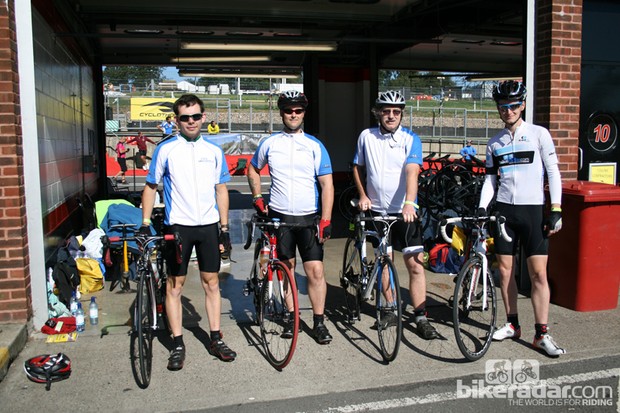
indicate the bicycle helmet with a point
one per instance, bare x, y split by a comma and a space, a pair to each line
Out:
509, 90
48, 368
292, 98
390, 98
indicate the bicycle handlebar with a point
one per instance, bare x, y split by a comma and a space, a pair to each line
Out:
266, 222
474, 220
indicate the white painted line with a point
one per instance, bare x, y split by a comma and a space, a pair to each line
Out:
441, 397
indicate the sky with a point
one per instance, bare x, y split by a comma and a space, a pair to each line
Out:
172, 73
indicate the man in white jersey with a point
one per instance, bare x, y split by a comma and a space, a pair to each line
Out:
297, 162
517, 159
194, 174
391, 156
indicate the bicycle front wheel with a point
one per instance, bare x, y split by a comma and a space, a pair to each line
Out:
473, 310
350, 279
279, 316
141, 346
389, 309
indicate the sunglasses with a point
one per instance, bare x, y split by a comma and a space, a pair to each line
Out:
295, 111
396, 112
195, 116
510, 106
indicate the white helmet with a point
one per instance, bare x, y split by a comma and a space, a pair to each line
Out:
390, 98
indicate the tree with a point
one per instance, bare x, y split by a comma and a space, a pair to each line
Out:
136, 75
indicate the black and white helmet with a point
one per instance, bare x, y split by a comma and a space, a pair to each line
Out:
509, 90
48, 368
390, 98
292, 98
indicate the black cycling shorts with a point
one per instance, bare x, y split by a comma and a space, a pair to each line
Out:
122, 162
524, 224
205, 238
405, 236
303, 239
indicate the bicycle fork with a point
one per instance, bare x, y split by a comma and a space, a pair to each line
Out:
481, 253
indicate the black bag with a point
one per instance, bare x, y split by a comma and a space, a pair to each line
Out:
65, 275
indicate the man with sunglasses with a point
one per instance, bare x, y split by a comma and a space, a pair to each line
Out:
517, 160
391, 156
194, 174
297, 162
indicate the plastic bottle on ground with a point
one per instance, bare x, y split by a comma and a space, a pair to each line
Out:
93, 312
79, 319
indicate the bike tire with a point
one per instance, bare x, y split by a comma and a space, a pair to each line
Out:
276, 314
141, 346
344, 203
350, 280
256, 283
389, 310
473, 324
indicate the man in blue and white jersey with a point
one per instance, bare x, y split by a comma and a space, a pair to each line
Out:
167, 127
194, 174
517, 159
392, 156
297, 162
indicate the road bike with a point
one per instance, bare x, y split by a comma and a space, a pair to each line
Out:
474, 303
148, 306
366, 281
274, 291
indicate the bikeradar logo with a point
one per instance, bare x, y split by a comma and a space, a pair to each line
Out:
519, 382
506, 372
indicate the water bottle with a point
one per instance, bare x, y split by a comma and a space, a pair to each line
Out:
79, 319
73, 304
93, 312
263, 259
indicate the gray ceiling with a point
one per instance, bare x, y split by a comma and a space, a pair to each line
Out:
459, 35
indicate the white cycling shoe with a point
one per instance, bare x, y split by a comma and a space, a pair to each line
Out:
548, 345
508, 331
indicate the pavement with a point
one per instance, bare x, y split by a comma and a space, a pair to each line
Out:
102, 377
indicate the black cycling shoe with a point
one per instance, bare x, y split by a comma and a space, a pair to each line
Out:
321, 334
220, 350
287, 332
426, 330
388, 319
176, 359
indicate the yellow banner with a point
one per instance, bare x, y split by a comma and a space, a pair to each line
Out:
153, 109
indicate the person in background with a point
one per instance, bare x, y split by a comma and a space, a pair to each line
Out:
468, 151
167, 127
141, 141
194, 174
297, 163
213, 128
391, 156
517, 160
121, 151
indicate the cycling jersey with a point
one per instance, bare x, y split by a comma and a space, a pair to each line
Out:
295, 161
385, 158
190, 171
520, 161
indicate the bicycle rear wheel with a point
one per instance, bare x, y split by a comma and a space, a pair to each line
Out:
141, 346
389, 310
474, 320
350, 278
344, 203
279, 312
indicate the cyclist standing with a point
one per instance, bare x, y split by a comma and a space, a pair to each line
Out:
194, 174
297, 162
517, 160
391, 156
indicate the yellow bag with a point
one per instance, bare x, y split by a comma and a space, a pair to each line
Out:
459, 239
91, 277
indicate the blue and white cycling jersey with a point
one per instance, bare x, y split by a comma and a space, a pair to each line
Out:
521, 161
190, 171
385, 158
295, 161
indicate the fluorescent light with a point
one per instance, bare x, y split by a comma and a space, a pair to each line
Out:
491, 78
216, 59
282, 47
243, 75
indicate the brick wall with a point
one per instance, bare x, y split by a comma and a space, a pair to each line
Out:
558, 77
15, 297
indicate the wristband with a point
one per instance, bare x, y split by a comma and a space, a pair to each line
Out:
413, 204
258, 196
224, 227
146, 221
556, 209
